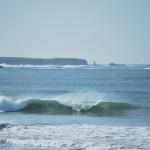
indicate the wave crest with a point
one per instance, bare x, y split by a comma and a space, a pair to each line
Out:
7, 104
56, 107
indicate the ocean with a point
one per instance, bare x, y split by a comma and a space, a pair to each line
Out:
91, 107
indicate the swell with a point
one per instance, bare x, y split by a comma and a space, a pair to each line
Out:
64, 106
46, 106
54, 107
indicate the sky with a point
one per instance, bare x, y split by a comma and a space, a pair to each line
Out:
104, 31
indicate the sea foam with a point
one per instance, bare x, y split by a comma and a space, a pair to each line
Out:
75, 136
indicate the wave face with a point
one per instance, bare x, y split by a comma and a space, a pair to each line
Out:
55, 107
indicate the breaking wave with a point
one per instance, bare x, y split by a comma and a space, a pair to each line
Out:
44, 106
7, 104
57, 107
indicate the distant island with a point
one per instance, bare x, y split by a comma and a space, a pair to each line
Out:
42, 61
116, 65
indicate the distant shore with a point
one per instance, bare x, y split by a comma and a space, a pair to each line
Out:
42, 61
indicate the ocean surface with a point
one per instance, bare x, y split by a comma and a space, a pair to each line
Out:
92, 107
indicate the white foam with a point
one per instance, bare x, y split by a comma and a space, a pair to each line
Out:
147, 68
54, 66
88, 137
7, 104
74, 66
44, 66
29, 66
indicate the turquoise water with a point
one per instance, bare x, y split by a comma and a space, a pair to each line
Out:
68, 95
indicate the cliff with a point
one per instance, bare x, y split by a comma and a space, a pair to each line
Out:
42, 61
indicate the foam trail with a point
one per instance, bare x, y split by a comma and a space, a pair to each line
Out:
49, 66
147, 68
28, 66
7, 104
74, 66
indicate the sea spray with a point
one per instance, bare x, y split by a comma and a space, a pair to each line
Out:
79, 100
7, 104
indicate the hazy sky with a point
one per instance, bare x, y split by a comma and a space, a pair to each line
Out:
101, 30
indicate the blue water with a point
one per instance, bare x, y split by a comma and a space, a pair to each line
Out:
78, 89
74, 107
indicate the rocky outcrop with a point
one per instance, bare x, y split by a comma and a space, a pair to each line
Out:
42, 61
